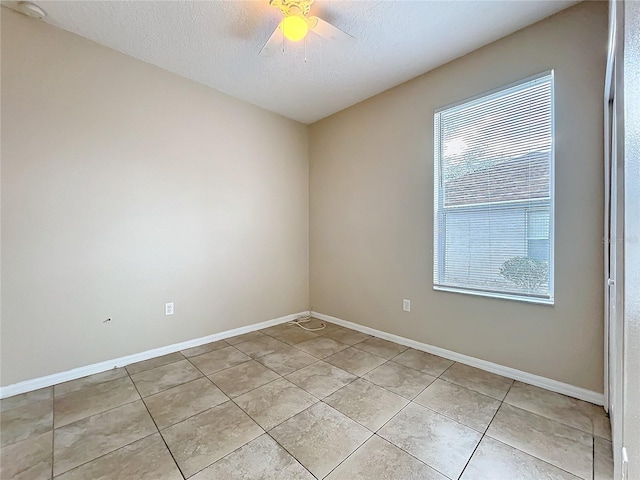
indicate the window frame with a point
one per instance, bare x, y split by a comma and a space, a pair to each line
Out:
439, 211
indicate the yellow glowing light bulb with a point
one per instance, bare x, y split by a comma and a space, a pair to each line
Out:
294, 27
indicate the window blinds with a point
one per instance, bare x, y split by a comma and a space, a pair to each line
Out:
493, 210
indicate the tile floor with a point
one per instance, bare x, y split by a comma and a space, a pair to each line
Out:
288, 404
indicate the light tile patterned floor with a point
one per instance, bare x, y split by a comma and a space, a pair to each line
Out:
287, 404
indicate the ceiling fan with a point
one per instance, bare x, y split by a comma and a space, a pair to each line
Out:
297, 23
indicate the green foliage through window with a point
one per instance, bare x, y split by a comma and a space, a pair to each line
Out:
526, 272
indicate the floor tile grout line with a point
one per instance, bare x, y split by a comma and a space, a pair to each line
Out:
317, 334
413, 399
438, 413
168, 388
287, 419
546, 418
253, 389
237, 365
289, 453
453, 419
551, 419
413, 456
100, 456
472, 390
249, 391
176, 386
371, 353
218, 371
318, 400
82, 387
475, 449
234, 450
158, 429
515, 448
226, 368
98, 413
483, 434
417, 369
308, 408
534, 457
157, 366
315, 360
249, 416
105, 454
513, 381
352, 419
315, 356
208, 351
446, 370
271, 381
195, 414
593, 457
229, 400
264, 432
53, 413
321, 399
322, 335
349, 456
376, 432
263, 354
268, 432
404, 366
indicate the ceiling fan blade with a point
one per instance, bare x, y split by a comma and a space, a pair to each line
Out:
274, 44
328, 31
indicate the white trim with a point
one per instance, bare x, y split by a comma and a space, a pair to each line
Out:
500, 295
536, 380
48, 380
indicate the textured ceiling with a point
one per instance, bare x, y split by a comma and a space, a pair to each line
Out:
217, 43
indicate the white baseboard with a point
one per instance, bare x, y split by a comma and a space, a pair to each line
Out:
536, 380
47, 381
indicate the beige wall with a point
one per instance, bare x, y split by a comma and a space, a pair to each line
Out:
125, 187
371, 208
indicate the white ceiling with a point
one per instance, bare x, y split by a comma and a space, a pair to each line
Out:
217, 43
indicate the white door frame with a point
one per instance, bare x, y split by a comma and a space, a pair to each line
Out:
609, 212
614, 250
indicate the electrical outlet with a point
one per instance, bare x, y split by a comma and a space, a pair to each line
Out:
406, 305
168, 308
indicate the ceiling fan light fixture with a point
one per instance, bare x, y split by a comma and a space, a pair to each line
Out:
294, 27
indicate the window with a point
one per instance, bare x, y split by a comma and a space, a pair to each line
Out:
493, 204
538, 235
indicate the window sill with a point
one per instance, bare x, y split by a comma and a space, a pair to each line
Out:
501, 296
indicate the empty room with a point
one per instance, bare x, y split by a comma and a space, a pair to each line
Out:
298, 240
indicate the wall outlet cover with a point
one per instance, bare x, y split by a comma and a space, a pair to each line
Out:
406, 305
